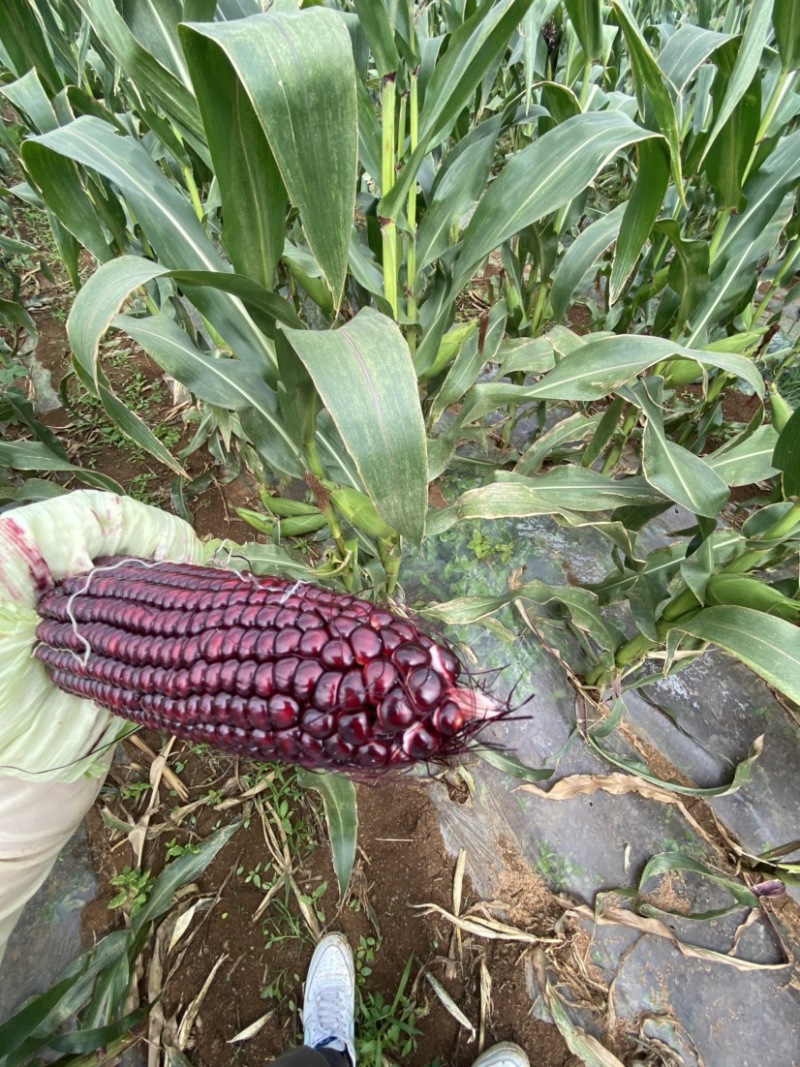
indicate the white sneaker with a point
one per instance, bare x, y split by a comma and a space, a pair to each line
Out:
329, 999
506, 1054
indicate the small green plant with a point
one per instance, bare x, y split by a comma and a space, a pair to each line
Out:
383, 1029
482, 547
134, 887
174, 849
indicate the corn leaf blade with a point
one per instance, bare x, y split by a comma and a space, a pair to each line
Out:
298, 75
365, 377
341, 816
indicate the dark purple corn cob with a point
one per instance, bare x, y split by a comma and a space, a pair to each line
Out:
264, 667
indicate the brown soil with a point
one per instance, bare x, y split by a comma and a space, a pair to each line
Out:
402, 866
402, 862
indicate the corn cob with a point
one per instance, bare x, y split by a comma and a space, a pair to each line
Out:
263, 667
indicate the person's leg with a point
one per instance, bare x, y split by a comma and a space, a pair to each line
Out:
36, 821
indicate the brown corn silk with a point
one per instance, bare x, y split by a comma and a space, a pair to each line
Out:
264, 667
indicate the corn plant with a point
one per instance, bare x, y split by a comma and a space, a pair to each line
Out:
639, 160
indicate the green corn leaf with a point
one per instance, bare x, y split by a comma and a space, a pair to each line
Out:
581, 257
226, 383
582, 605
641, 212
686, 50
510, 765
728, 159
154, 24
749, 461
668, 862
738, 589
786, 455
364, 374
542, 178
566, 490
786, 21
748, 59
143, 69
459, 184
472, 49
675, 471
28, 96
586, 18
468, 363
297, 73
36, 456
373, 19
601, 366
571, 430
655, 106
341, 817
769, 646
742, 774
169, 222
178, 873
680, 475
750, 237
688, 271
254, 198
25, 45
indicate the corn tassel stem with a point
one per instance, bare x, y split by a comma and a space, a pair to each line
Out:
388, 226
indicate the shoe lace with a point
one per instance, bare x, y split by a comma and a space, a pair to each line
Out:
330, 1011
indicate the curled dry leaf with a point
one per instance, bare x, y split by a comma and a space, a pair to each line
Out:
489, 928
620, 917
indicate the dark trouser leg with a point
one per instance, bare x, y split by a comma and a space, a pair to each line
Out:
311, 1057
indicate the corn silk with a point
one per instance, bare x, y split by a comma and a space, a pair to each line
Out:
55, 748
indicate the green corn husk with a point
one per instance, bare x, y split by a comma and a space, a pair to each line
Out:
285, 508
293, 526
780, 409
751, 593
359, 511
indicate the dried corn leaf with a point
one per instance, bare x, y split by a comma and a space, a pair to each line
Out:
620, 917
617, 784
194, 1008
253, 1029
183, 921
489, 928
450, 1005
172, 780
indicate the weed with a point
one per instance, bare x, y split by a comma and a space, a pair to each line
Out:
174, 849
482, 547
383, 1029
134, 887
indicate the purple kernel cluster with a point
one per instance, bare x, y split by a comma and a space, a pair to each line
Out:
261, 666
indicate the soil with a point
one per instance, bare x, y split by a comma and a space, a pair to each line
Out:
259, 960
402, 866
